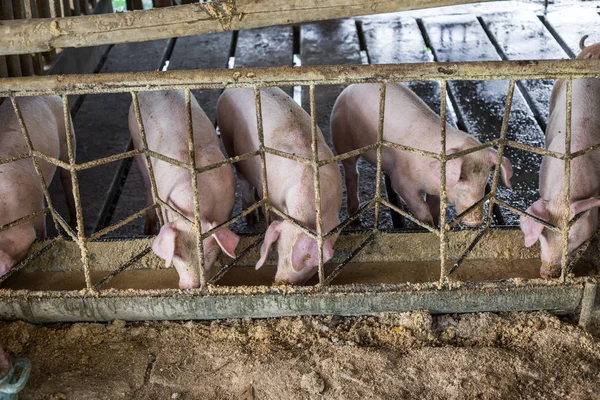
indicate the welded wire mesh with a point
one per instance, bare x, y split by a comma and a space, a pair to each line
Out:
261, 78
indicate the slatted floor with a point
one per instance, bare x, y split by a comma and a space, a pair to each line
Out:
495, 31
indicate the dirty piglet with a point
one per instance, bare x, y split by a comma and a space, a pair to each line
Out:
585, 170
21, 188
164, 120
290, 184
416, 178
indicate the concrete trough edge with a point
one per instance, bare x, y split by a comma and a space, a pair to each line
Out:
556, 299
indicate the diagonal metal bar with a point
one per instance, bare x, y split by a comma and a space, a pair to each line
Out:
525, 214
275, 152
122, 268
109, 159
346, 261
292, 221
474, 149
469, 210
410, 217
144, 139
24, 219
24, 262
232, 264
14, 158
351, 218
229, 161
36, 164
166, 159
413, 150
234, 219
349, 154
470, 248
121, 223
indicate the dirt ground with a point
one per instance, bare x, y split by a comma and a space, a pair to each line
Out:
390, 356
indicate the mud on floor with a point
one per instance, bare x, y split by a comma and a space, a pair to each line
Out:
390, 356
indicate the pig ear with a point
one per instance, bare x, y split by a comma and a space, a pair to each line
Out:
305, 253
453, 168
531, 229
270, 237
505, 167
579, 206
327, 251
6, 262
226, 239
165, 243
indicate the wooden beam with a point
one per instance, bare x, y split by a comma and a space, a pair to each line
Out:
191, 19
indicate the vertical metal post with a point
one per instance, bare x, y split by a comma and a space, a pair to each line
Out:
443, 194
501, 145
567, 184
261, 148
140, 122
81, 239
382, 92
194, 177
317, 183
36, 164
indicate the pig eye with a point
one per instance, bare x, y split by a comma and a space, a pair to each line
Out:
462, 178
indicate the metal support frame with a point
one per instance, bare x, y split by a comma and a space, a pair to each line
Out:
325, 75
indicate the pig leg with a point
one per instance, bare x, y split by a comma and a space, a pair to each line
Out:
351, 178
433, 202
248, 198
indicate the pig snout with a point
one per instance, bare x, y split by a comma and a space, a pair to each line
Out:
474, 218
549, 270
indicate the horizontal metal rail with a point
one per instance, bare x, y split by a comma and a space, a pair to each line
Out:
296, 76
36, 35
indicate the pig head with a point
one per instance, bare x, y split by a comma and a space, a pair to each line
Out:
298, 253
176, 244
466, 179
551, 241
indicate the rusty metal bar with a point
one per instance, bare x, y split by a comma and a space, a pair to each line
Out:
263, 157
14, 158
121, 223
166, 205
292, 221
351, 218
380, 125
525, 214
585, 151
194, 177
469, 210
413, 150
123, 267
24, 219
109, 159
533, 149
293, 157
81, 239
24, 262
443, 232
63, 224
229, 161
471, 246
147, 155
169, 160
473, 149
349, 154
410, 217
35, 161
230, 265
503, 133
567, 185
316, 182
234, 219
297, 76
354, 253
51, 160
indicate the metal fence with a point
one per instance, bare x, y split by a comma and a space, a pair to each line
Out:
567, 290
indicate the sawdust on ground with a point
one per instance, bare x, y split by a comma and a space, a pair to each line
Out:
390, 356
